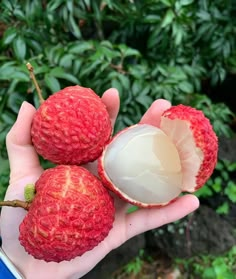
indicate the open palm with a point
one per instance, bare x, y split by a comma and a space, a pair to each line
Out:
25, 168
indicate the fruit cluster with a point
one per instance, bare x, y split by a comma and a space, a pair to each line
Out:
72, 211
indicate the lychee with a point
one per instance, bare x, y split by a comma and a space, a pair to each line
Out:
70, 214
150, 167
71, 127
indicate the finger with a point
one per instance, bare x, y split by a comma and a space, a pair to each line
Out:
22, 155
112, 102
147, 219
153, 114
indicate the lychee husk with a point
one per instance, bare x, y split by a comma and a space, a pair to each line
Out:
71, 127
198, 136
150, 166
71, 214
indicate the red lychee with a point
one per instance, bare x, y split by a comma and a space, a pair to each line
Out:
150, 166
71, 127
70, 214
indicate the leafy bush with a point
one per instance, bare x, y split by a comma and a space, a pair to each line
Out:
197, 267
208, 267
146, 49
223, 185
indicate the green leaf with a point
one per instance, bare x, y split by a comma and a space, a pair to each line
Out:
19, 47
74, 27
168, 19
66, 60
127, 121
136, 87
53, 5
127, 51
15, 99
186, 87
70, 5
71, 78
138, 71
152, 19
6, 73
117, 84
232, 167
60, 73
9, 36
57, 72
92, 66
19, 14
124, 81
230, 191
80, 47
36, 46
227, 49
7, 4
40, 69
131, 52
204, 15
20, 75
186, 2
76, 67
225, 175
178, 33
52, 83
209, 273
8, 117
204, 192
166, 2
222, 74
144, 101
216, 187
223, 209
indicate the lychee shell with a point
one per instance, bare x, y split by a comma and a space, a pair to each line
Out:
204, 137
71, 126
71, 213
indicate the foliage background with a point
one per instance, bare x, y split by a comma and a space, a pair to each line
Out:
179, 50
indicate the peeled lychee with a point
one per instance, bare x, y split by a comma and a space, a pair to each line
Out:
71, 126
150, 167
71, 213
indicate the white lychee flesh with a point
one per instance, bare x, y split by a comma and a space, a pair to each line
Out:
179, 132
144, 165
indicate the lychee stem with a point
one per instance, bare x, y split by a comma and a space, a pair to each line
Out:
16, 203
32, 76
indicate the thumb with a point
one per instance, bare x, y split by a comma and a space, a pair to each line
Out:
23, 158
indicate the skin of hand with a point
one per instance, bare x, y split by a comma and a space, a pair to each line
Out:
25, 168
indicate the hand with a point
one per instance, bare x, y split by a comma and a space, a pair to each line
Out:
25, 168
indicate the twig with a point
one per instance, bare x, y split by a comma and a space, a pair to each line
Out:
16, 203
32, 76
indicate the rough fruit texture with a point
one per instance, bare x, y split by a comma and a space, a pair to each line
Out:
150, 166
204, 142
71, 126
71, 213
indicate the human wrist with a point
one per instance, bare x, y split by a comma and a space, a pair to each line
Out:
7, 268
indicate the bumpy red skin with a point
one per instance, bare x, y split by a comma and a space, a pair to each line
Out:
204, 135
71, 127
71, 213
